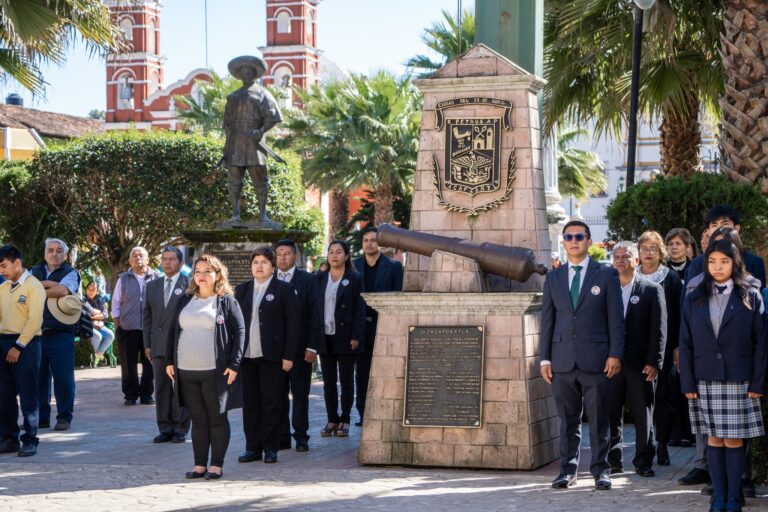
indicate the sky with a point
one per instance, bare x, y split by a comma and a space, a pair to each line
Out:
361, 36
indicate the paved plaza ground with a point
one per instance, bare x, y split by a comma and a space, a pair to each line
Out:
108, 462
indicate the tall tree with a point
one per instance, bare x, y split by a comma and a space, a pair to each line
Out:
744, 54
34, 32
588, 47
442, 38
205, 113
579, 172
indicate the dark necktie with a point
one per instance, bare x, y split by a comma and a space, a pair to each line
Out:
575, 285
721, 289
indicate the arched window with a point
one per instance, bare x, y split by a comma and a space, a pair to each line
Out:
151, 37
126, 26
125, 92
284, 22
154, 79
282, 76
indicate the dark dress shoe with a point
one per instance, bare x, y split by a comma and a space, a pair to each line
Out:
213, 476
616, 469
44, 424
28, 450
662, 455
302, 446
162, 438
687, 443
179, 438
249, 456
359, 423
748, 488
130, 402
719, 506
270, 457
147, 401
9, 446
695, 476
708, 490
564, 481
603, 482
645, 472
62, 425
674, 442
193, 475
285, 445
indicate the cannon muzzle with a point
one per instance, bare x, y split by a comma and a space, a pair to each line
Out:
515, 263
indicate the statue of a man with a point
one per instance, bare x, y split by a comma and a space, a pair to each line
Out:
250, 112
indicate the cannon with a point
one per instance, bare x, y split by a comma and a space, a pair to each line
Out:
516, 263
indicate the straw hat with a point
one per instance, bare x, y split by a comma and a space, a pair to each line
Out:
66, 309
237, 64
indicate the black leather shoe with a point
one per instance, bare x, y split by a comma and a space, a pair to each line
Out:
27, 450
270, 457
748, 488
147, 401
603, 482
674, 442
62, 425
162, 438
645, 472
359, 423
130, 402
249, 456
179, 438
285, 445
564, 481
9, 446
193, 475
708, 490
695, 476
44, 424
718, 506
213, 476
302, 446
662, 455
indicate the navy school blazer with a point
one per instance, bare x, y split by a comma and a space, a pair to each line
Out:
349, 313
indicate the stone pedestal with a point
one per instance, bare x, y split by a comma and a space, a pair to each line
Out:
519, 420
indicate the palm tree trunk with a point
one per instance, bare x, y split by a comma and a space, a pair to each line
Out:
681, 140
744, 52
339, 211
383, 200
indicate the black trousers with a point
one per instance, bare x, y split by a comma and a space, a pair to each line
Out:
665, 415
298, 385
576, 391
363, 370
210, 428
263, 387
131, 346
630, 386
682, 426
338, 369
171, 419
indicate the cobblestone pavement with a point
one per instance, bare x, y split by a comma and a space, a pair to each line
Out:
108, 462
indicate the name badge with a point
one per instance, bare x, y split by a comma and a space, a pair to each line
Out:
634, 299
345, 282
22, 299
270, 297
595, 290
177, 291
220, 319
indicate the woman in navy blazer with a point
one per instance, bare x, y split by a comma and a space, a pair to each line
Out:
723, 366
339, 290
207, 374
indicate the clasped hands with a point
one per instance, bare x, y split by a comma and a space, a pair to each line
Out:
612, 367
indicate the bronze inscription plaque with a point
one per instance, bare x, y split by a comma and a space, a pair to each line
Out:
239, 265
444, 377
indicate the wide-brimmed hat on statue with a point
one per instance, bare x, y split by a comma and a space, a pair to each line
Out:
66, 309
237, 64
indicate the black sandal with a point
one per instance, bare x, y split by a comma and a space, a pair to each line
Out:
343, 430
329, 430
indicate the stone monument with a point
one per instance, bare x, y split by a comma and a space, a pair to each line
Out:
455, 377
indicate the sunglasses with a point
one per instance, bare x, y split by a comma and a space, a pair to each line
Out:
579, 237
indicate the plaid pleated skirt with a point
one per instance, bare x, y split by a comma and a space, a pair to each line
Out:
724, 410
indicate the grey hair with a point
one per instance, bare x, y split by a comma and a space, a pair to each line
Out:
59, 241
631, 248
139, 248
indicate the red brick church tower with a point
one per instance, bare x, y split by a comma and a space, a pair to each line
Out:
291, 52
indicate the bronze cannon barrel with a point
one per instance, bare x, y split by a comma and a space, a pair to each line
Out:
517, 263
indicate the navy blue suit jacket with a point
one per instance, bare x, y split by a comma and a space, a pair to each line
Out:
586, 336
349, 313
737, 354
754, 265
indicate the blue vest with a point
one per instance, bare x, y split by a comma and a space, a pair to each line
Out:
49, 321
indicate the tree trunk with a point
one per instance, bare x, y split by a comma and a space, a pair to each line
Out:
681, 140
383, 204
339, 211
744, 52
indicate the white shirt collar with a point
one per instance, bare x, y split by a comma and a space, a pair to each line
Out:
23, 278
583, 264
289, 272
728, 287
631, 283
174, 278
264, 286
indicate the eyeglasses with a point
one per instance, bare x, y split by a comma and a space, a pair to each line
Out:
649, 250
579, 237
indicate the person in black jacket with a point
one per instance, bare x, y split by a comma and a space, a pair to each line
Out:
272, 328
645, 320
340, 290
680, 245
310, 315
723, 367
205, 349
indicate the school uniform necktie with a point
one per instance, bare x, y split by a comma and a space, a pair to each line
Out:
575, 285
168, 290
721, 289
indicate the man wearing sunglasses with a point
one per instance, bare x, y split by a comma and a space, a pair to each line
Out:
581, 347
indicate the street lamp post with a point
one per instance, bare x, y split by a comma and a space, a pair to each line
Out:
637, 42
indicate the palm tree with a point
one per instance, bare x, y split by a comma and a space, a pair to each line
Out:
579, 172
744, 54
206, 112
588, 67
34, 32
441, 38
362, 132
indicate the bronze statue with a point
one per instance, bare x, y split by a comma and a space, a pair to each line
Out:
515, 263
250, 113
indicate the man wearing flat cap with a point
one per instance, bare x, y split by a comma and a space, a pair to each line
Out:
250, 112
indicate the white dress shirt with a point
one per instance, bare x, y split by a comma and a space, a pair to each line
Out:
626, 292
254, 341
330, 305
286, 276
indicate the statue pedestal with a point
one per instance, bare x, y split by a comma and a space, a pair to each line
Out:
519, 426
234, 246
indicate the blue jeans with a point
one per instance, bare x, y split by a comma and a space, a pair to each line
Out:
102, 339
20, 379
57, 361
